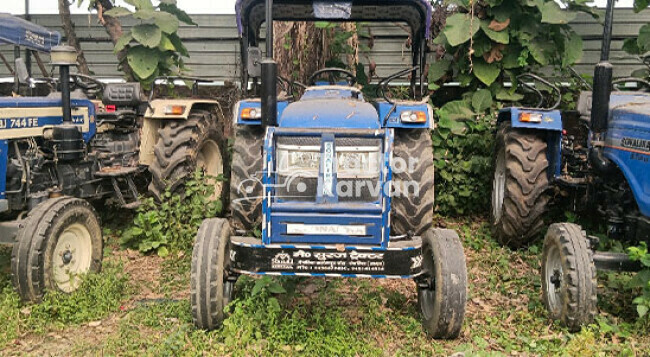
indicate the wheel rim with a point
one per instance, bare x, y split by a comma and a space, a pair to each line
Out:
72, 257
498, 186
427, 295
210, 160
554, 276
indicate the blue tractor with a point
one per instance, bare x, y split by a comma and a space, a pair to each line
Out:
57, 152
598, 159
339, 186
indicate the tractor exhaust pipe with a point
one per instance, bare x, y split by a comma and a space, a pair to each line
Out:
65, 57
269, 75
603, 74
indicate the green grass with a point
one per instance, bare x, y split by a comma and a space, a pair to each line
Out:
325, 317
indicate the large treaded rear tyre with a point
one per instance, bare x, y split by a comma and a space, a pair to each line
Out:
569, 286
184, 145
412, 165
210, 288
246, 190
442, 301
519, 186
59, 242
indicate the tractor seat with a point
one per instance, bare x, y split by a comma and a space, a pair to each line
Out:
122, 94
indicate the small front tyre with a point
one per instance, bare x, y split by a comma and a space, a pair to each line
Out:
442, 291
568, 276
211, 288
58, 243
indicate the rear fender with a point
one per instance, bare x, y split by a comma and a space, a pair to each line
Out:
550, 127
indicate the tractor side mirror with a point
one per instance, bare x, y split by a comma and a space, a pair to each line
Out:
253, 64
21, 70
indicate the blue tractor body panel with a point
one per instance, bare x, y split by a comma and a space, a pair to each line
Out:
628, 145
330, 113
25, 117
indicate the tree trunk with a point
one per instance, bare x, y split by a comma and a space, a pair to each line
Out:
113, 28
71, 35
300, 48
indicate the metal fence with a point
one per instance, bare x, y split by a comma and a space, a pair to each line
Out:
214, 44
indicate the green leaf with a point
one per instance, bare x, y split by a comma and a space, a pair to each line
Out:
644, 38
167, 22
642, 310
148, 35
505, 95
123, 41
438, 69
631, 46
460, 28
144, 14
180, 14
166, 44
178, 44
496, 36
143, 61
486, 72
572, 50
640, 5
482, 100
276, 288
540, 50
118, 11
553, 14
140, 4
457, 109
163, 252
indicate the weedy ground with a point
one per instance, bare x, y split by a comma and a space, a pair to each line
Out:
139, 306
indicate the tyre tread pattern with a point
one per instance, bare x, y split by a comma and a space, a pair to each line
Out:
28, 253
413, 213
581, 296
525, 197
247, 164
177, 148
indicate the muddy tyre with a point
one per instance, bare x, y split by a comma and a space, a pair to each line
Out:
443, 297
58, 242
246, 179
184, 145
412, 210
519, 186
210, 286
569, 286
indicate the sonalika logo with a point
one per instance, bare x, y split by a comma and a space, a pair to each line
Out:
639, 144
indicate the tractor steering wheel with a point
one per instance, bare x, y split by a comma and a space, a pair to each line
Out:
351, 78
643, 83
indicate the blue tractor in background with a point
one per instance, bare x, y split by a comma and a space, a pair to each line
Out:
338, 186
57, 153
601, 158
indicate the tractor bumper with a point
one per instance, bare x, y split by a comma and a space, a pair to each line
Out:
401, 259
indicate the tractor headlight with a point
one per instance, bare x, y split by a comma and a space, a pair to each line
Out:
292, 160
352, 163
305, 161
413, 116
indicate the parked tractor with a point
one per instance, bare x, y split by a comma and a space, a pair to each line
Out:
337, 185
601, 157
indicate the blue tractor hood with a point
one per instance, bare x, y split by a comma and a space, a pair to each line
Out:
19, 32
330, 113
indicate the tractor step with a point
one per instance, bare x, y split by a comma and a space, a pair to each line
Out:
117, 171
125, 174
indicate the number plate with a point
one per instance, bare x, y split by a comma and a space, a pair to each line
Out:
326, 229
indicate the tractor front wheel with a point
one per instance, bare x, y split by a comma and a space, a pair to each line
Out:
58, 243
211, 289
246, 189
442, 290
569, 276
519, 186
185, 145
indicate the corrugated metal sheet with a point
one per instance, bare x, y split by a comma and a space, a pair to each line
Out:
214, 46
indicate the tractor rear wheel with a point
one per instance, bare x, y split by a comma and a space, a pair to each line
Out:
246, 191
184, 145
519, 186
413, 190
442, 299
569, 287
59, 242
210, 287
